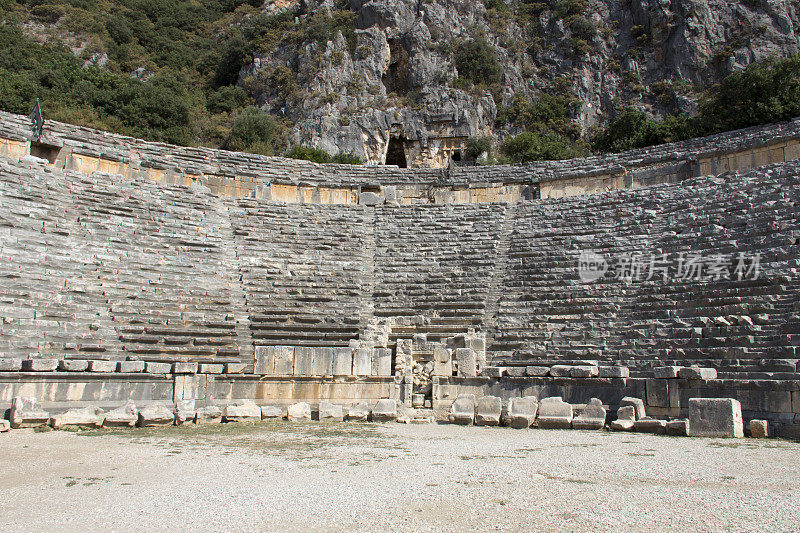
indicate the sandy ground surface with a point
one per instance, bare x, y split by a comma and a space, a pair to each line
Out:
364, 477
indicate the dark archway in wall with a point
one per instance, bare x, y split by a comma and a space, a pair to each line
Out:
396, 153
396, 77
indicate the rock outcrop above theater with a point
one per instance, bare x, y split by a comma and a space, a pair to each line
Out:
389, 87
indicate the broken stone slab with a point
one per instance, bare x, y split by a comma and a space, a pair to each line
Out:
614, 371
27, 413
650, 425
622, 424
272, 412
299, 411
234, 368
73, 365
759, 429
155, 415
561, 371
488, 410
678, 428
554, 413
384, 411
86, 417
210, 414
184, 368
584, 371
467, 362
592, 417
152, 367
442, 361
211, 368
636, 403
242, 411
535, 370
330, 412
102, 366
265, 360
5, 425
666, 372
381, 362
462, 411
131, 366
125, 416
185, 412
715, 417
40, 365
694, 372
358, 412
10, 364
522, 412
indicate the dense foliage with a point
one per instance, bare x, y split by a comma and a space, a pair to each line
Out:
528, 146
321, 156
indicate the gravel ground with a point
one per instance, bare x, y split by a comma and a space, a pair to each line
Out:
364, 477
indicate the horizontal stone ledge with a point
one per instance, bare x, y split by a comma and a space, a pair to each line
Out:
304, 379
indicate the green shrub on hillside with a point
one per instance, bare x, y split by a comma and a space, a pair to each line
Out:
309, 154
528, 146
253, 131
476, 61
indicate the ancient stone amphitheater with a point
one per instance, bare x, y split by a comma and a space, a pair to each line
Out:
140, 272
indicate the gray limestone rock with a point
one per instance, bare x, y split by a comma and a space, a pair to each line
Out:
86, 417
636, 403
678, 428
329, 412
125, 416
358, 412
234, 368
593, 416
554, 413
467, 362
384, 411
272, 412
759, 429
694, 372
242, 411
561, 371
522, 412
101, 366
5, 425
462, 411
584, 371
613, 371
73, 365
184, 368
715, 417
155, 415
40, 365
185, 412
650, 425
152, 367
210, 414
666, 372
27, 413
298, 412
209, 368
488, 410
533, 370
131, 366
10, 364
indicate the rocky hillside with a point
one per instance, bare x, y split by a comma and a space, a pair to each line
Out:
415, 82
398, 76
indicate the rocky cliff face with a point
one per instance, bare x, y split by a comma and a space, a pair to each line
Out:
391, 92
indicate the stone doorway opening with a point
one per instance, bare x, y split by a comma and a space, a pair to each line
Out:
396, 153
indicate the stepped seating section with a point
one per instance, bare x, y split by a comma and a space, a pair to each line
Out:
547, 315
433, 267
98, 267
303, 270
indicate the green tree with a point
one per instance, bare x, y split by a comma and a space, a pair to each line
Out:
476, 61
253, 131
528, 146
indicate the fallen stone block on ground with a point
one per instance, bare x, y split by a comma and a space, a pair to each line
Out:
636, 403
592, 417
210, 414
125, 416
155, 415
384, 411
330, 412
554, 413
522, 412
87, 417
759, 429
358, 412
185, 412
650, 425
27, 413
462, 411
488, 410
272, 412
678, 428
242, 411
298, 412
715, 417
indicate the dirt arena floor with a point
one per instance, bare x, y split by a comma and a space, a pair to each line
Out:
365, 477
